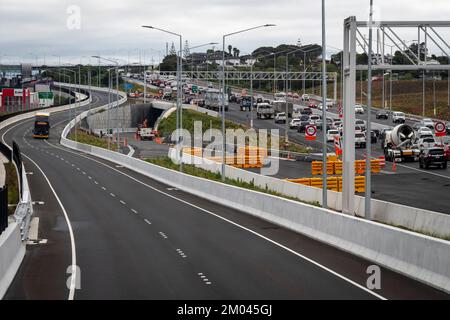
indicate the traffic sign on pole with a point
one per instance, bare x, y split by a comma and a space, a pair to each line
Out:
311, 133
439, 129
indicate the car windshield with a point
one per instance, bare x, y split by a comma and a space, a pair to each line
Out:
437, 152
333, 132
359, 135
430, 140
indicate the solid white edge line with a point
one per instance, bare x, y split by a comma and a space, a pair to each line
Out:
72, 238
231, 222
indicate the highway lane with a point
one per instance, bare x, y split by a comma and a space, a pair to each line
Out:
136, 238
401, 186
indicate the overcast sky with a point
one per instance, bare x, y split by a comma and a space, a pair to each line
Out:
30, 28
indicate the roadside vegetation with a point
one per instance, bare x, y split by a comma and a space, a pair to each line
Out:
90, 139
13, 187
406, 96
166, 162
168, 125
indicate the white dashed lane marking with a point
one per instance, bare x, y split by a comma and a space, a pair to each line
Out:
123, 202
134, 211
163, 235
204, 278
147, 222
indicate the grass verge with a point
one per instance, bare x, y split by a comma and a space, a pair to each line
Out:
166, 162
86, 138
13, 187
168, 125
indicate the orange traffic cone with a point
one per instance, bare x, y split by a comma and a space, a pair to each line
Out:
394, 166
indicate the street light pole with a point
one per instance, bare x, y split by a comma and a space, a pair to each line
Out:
324, 108
369, 125
179, 87
223, 93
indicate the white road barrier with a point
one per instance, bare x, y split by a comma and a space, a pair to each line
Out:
423, 258
12, 240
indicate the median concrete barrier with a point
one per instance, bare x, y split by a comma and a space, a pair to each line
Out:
421, 257
12, 251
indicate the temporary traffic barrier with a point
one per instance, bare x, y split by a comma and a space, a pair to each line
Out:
382, 160
333, 183
316, 182
338, 167
317, 168
360, 184
303, 181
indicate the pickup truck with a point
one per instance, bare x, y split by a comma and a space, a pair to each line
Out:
146, 133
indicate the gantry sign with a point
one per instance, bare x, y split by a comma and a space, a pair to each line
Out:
386, 30
256, 75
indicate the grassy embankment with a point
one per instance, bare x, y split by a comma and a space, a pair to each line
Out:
168, 125
407, 96
13, 187
84, 137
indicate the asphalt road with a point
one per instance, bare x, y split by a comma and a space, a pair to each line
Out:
408, 185
135, 238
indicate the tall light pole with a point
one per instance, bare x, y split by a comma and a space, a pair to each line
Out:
179, 87
367, 211
117, 92
223, 92
324, 109
59, 78
74, 82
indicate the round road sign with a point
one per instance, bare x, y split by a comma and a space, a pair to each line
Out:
311, 132
439, 129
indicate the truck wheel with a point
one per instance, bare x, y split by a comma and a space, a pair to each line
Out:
444, 166
420, 165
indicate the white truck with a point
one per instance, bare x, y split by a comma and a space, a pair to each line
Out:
213, 100
146, 134
264, 111
399, 144
280, 106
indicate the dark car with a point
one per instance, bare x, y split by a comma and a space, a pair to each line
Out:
246, 103
432, 157
306, 111
382, 114
373, 136
447, 127
302, 126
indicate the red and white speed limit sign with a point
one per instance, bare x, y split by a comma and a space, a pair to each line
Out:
311, 132
439, 129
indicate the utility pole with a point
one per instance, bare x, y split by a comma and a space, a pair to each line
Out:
368, 199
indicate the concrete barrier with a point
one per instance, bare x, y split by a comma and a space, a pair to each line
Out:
421, 257
12, 251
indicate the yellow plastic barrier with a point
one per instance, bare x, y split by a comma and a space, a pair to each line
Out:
316, 183
360, 184
375, 166
303, 181
332, 159
338, 168
317, 168
332, 184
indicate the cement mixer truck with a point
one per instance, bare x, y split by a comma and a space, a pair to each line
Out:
399, 144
